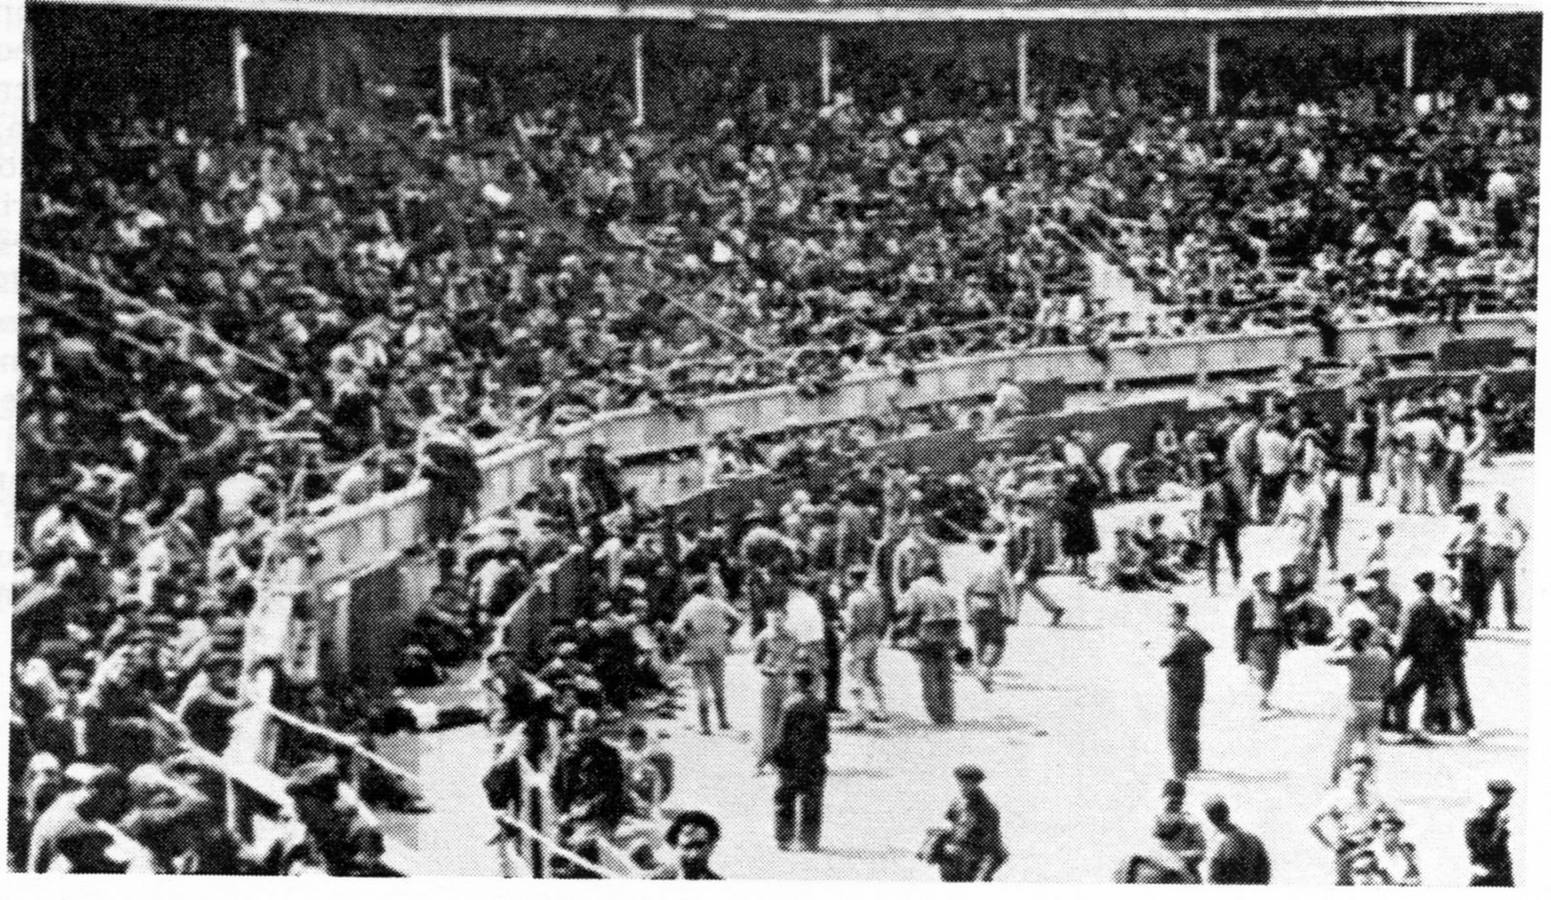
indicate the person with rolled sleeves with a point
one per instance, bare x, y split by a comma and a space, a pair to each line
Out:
1185, 665
1486, 837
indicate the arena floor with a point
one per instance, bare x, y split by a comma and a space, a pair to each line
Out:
1074, 736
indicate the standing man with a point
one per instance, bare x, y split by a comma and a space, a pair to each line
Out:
914, 555
706, 624
1369, 675
1186, 667
1466, 552
1222, 519
1274, 450
934, 611
801, 746
1486, 836
1240, 857
1423, 642
972, 850
1260, 636
988, 599
1030, 553
1504, 536
865, 620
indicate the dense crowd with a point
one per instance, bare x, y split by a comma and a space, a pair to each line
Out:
221, 329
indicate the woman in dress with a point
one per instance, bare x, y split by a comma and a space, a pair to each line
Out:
1079, 530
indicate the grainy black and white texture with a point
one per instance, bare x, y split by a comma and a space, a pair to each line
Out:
777, 440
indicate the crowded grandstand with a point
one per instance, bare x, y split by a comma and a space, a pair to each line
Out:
334, 331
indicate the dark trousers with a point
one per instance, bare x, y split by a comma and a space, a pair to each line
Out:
1474, 588
1459, 688
1272, 487
1328, 538
809, 786
1501, 565
1226, 537
1397, 706
1185, 735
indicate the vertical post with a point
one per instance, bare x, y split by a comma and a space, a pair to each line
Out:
1023, 74
1408, 60
638, 70
1211, 72
29, 78
239, 76
824, 69
446, 68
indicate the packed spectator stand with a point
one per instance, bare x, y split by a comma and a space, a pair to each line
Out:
226, 331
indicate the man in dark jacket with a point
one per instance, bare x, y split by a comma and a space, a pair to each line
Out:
1424, 642
1240, 857
972, 850
802, 743
1486, 836
1222, 518
1186, 665
589, 780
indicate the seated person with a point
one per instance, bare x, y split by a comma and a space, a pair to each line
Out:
1128, 570
1157, 547
588, 784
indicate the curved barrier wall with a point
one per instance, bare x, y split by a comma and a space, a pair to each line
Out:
365, 536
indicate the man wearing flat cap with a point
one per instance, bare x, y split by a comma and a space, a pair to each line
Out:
1423, 642
972, 848
1486, 837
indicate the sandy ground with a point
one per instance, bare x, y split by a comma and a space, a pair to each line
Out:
1073, 743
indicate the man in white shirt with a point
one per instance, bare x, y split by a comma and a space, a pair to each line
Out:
1504, 537
1420, 223
1502, 190
1275, 452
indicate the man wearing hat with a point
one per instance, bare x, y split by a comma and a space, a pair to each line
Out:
1423, 642
1486, 837
972, 848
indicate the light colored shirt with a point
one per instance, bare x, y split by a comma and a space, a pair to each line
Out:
1503, 530
1502, 186
933, 599
704, 622
804, 618
1275, 450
